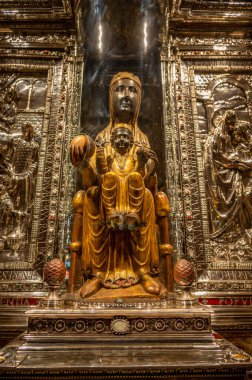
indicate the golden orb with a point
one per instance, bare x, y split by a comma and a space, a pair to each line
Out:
86, 142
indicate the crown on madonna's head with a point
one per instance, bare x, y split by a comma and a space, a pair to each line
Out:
125, 75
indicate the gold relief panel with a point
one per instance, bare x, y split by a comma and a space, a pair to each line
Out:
224, 120
213, 121
35, 130
23, 140
22, 113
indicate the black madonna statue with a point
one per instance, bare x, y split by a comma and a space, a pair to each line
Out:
119, 212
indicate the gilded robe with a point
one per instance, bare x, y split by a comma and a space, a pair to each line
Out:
118, 258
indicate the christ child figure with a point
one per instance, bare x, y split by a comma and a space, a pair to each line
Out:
122, 180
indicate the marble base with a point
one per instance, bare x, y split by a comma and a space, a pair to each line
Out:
125, 340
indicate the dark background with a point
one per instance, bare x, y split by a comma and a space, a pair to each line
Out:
129, 42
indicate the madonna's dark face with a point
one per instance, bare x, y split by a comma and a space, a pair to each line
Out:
125, 99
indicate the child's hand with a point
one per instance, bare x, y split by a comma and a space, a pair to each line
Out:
142, 156
100, 142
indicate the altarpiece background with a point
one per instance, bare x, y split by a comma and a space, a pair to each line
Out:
54, 75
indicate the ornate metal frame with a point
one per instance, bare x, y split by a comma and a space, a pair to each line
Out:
184, 55
197, 11
217, 59
45, 54
41, 9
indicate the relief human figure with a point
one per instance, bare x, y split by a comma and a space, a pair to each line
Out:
114, 229
20, 161
6, 208
228, 165
7, 109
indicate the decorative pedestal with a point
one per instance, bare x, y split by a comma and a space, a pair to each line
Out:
137, 340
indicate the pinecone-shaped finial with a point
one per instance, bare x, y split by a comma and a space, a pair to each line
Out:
54, 275
54, 272
184, 272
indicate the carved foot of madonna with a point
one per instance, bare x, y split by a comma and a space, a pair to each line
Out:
151, 285
90, 287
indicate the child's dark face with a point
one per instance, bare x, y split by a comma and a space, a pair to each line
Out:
122, 140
